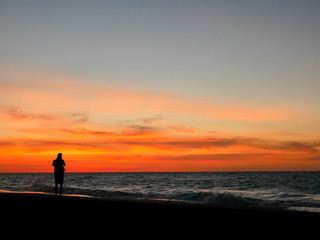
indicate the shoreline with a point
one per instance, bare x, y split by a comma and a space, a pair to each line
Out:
165, 201
26, 194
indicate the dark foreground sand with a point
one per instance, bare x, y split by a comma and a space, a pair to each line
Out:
82, 214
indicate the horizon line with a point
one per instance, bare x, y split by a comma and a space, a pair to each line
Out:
173, 172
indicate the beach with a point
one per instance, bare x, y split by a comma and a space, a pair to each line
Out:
47, 210
150, 204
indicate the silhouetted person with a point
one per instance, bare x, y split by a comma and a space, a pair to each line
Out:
58, 172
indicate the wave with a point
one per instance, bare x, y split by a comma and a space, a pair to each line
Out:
206, 198
225, 198
241, 199
85, 192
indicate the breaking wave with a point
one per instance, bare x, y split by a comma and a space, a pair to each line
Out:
214, 198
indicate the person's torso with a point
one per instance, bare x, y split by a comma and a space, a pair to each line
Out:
58, 166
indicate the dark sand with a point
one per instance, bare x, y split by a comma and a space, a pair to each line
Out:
82, 214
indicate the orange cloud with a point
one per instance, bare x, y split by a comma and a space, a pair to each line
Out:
107, 128
206, 154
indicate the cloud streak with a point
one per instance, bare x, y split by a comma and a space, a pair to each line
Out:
16, 113
132, 130
213, 145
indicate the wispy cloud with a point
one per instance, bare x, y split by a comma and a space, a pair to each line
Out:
45, 89
16, 113
182, 129
152, 119
78, 117
212, 145
132, 130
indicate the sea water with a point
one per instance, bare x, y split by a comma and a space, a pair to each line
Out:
297, 190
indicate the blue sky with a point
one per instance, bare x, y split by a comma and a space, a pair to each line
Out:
231, 49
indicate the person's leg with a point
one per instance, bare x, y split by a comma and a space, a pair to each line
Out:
61, 183
56, 187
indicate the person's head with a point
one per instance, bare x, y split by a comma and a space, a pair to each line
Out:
59, 156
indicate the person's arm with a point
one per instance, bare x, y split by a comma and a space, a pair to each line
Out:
64, 163
53, 163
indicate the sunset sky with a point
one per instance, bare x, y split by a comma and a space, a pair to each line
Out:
141, 86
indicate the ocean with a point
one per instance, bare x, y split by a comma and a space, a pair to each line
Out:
293, 190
